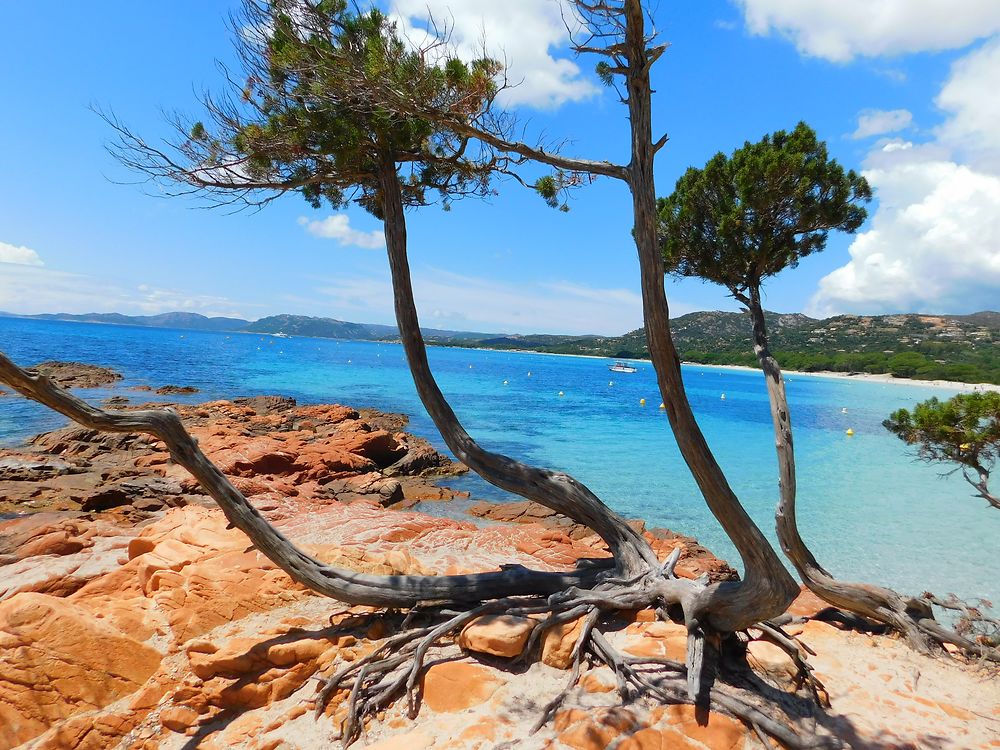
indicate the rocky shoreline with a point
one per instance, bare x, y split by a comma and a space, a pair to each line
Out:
132, 616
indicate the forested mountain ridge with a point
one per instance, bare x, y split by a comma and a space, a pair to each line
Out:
964, 348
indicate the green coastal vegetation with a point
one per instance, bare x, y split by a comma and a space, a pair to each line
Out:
962, 348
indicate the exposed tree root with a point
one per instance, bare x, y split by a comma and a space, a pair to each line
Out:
394, 669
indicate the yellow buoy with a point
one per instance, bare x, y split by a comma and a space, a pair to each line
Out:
561, 393
964, 447
662, 406
642, 402
849, 431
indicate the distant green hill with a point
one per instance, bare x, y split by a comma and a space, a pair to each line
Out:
926, 347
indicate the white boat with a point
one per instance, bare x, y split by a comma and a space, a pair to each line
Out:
623, 367
281, 335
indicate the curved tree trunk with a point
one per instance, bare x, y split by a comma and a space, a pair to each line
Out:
981, 485
560, 492
880, 604
337, 583
767, 588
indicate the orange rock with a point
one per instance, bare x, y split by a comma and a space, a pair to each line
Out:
559, 641
714, 731
456, 685
499, 635
56, 660
598, 682
178, 718
484, 731
770, 659
593, 729
658, 639
807, 604
408, 741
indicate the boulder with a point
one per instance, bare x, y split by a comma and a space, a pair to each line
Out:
499, 635
453, 686
77, 374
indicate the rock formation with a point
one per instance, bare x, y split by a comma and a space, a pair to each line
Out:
127, 624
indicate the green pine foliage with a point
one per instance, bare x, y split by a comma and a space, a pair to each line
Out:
318, 112
964, 429
746, 217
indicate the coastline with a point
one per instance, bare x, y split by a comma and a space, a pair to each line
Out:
883, 377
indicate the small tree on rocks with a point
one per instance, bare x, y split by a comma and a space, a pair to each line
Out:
334, 105
738, 221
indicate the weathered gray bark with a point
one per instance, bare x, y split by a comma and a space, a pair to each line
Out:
767, 588
560, 492
912, 618
981, 484
341, 584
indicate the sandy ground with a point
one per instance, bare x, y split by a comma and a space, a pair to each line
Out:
864, 376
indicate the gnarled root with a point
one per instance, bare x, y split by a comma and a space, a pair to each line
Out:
393, 670
977, 634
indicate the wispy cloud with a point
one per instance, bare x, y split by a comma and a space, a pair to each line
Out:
450, 300
31, 289
881, 121
338, 227
19, 255
840, 30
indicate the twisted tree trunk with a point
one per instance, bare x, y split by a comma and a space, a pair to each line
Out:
560, 492
767, 588
911, 617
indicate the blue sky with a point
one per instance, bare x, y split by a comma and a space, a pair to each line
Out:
906, 91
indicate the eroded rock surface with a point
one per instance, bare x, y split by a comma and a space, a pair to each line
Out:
77, 374
269, 445
164, 629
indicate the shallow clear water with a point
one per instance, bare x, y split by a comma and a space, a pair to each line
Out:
868, 510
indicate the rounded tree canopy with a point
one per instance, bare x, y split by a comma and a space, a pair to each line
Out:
744, 217
315, 110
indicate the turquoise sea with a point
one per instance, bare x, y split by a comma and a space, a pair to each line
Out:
867, 508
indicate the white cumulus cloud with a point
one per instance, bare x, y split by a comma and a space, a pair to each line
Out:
933, 246
881, 121
530, 35
934, 241
338, 227
22, 256
840, 30
970, 97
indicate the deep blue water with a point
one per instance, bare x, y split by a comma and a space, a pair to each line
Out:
868, 510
